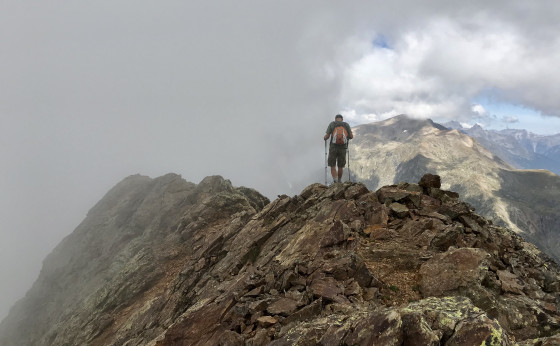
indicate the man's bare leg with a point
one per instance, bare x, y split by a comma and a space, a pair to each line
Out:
340, 169
333, 172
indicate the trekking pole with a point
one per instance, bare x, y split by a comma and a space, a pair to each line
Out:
325, 162
348, 152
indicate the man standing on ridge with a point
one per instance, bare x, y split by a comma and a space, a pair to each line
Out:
339, 133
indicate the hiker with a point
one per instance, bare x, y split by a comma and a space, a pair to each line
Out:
339, 133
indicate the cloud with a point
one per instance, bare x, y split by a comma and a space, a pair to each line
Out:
92, 92
479, 109
436, 68
510, 119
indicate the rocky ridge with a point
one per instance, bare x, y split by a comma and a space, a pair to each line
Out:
167, 262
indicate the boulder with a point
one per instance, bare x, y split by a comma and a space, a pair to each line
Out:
430, 181
509, 282
283, 306
451, 270
455, 319
329, 289
399, 210
266, 321
479, 330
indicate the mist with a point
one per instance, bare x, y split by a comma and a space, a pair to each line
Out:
93, 92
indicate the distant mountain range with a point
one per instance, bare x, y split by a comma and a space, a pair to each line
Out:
403, 149
520, 148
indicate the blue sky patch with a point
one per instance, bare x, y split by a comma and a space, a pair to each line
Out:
381, 42
503, 115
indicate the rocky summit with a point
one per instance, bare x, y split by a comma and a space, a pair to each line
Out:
167, 262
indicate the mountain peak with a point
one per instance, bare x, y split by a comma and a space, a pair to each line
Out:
398, 128
199, 264
409, 123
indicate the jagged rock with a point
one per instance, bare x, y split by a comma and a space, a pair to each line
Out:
266, 321
335, 235
442, 195
454, 211
283, 306
388, 195
257, 306
355, 191
430, 181
261, 338
410, 187
307, 312
352, 288
376, 213
551, 341
162, 261
469, 222
384, 328
551, 282
452, 270
391, 194
509, 282
399, 209
417, 331
447, 237
328, 288
454, 319
312, 190
478, 330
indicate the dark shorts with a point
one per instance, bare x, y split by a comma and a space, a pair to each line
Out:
337, 156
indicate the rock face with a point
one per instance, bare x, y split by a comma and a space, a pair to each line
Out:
167, 262
403, 149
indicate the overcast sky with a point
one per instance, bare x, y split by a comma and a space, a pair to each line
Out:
91, 92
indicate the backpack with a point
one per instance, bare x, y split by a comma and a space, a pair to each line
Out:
339, 135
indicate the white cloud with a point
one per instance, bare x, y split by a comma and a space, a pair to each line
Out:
479, 109
437, 70
510, 119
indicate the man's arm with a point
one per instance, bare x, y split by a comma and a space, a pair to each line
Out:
329, 131
350, 134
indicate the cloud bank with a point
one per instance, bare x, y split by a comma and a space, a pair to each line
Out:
438, 68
